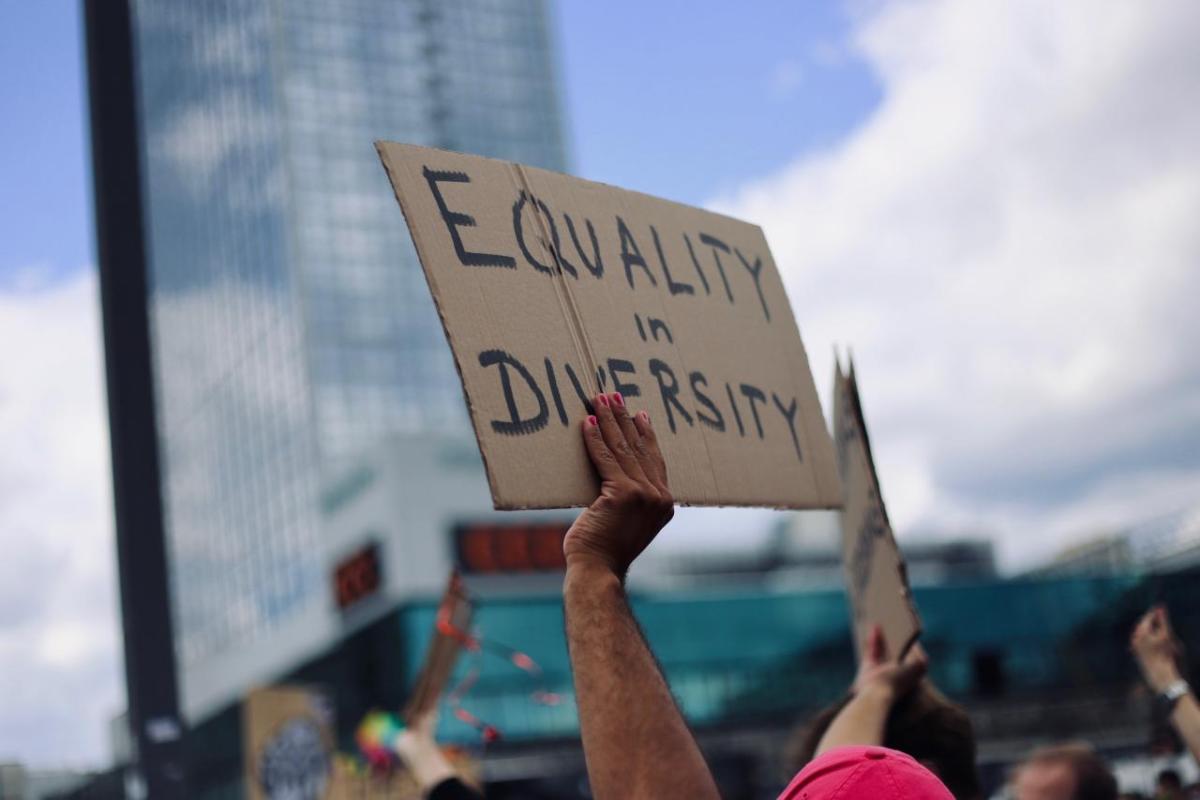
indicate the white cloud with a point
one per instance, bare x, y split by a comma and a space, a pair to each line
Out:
59, 661
1009, 245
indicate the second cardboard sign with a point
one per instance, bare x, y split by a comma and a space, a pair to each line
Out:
876, 577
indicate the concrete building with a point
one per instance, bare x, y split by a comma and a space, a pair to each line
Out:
18, 782
291, 325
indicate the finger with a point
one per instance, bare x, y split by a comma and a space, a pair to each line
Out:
631, 433
916, 652
602, 458
610, 429
658, 465
1163, 619
913, 670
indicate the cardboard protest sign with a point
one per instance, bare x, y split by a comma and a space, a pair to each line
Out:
453, 623
288, 741
552, 288
876, 579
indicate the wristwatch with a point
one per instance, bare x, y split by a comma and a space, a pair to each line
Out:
1171, 695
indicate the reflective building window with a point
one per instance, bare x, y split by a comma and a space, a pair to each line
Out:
291, 323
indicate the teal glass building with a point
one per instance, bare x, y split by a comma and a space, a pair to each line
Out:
291, 325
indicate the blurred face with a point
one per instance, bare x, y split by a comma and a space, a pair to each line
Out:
1168, 791
1045, 780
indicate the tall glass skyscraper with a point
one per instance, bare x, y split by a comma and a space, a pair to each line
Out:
291, 324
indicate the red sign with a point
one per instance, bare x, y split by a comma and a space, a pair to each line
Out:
357, 577
510, 548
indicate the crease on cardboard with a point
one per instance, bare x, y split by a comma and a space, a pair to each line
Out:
566, 300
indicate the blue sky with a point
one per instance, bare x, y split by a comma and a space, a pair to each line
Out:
995, 206
687, 101
44, 193
658, 97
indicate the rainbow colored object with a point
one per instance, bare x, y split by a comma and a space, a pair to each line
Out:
376, 736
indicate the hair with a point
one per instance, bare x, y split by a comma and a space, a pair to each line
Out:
1170, 778
923, 724
1093, 779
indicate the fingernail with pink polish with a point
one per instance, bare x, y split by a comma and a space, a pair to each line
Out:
592, 421
618, 400
603, 400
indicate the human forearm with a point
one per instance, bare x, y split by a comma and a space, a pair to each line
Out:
426, 762
1161, 671
635, 740
1186, 719
860, 722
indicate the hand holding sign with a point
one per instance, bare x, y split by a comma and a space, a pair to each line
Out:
552, 290
882, 672
635, 501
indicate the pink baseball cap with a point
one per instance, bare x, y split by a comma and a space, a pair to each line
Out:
870, 773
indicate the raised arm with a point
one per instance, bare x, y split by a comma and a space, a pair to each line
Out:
635, 741
879, 684
1158, 654
434, 774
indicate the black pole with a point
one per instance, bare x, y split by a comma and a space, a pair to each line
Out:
155, 723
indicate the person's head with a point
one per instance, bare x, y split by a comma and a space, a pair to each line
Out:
868, 772
926, 726
1064, 772
1169, 785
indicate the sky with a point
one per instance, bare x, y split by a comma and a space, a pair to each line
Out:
993, 204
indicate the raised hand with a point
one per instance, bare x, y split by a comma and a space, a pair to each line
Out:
635, 501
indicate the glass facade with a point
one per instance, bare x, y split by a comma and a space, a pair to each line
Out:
291, 323
750, 654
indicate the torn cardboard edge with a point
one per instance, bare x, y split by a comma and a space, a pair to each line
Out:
876, 574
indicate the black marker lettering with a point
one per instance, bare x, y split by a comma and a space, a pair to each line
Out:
675, 287
519, 230
717, 245
696, 263
456, 219
597, 268
753, 393
756, 273
641, 330
789, 414
631, 255
668, 389
657, 326
737, 416
618, 366
717, 420
583, 396
555, 394
514, 425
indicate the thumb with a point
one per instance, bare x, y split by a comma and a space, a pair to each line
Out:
913, 669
